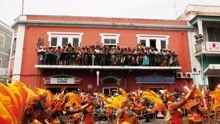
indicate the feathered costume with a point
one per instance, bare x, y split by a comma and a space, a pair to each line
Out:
155, 98
16, 99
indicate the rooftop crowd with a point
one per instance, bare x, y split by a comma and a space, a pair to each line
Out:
106, 55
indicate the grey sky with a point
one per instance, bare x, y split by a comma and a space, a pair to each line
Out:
148, 9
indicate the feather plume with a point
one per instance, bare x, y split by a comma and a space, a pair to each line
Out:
216, 95
12, 103
198, 93
157, 107
5, 116
115, 101
152, 96
20, 100
49, 99
73, 98
102, 97
123, 92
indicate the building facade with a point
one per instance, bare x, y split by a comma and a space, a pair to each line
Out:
5, 46
87, 53
205, 43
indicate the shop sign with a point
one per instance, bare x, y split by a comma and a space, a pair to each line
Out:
158, 79
62, 81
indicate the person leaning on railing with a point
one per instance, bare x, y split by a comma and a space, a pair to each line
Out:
69, 55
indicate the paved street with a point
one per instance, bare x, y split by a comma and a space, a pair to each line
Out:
154, 121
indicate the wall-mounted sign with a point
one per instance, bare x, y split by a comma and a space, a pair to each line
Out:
62, 81
213, 46
152, 79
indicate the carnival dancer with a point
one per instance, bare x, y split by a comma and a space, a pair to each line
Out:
21, 105
156, 100
174, 107
194, 112
89, 111
216, 104
73, 108
109, 111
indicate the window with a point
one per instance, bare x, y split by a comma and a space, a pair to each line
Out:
53, 41
63, 38
2, 40
157, 41
14, 46
163, 44
109, 39
109, 90
213, 34
1, 61
75, 42
64, 41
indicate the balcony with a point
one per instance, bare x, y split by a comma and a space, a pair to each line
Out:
208, 48
129, 66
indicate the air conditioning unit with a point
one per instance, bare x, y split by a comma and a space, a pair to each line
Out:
188, 75
180, 75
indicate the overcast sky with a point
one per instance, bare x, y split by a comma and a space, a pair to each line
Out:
148, 9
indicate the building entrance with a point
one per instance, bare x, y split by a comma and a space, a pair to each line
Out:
109, 90
54, 90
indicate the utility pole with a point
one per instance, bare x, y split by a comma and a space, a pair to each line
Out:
199, 41
22, 9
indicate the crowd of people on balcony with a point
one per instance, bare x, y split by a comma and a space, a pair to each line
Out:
106, 55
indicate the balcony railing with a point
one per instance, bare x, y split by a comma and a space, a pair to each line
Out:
208, 48
108, 61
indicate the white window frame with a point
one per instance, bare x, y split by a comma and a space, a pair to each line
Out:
13, 46
1, 62
158, 38
109, 89
109, 36
60, 35
2, 42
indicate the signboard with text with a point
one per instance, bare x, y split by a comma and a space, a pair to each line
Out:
62, 81
155, 79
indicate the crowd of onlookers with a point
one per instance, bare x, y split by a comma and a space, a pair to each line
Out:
106, 55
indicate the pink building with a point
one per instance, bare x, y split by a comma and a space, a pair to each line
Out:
105, 37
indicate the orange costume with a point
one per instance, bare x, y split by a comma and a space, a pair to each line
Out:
89, 115
128, 116
89, 111
174, 107
194, 110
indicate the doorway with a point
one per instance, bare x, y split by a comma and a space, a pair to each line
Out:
153, 43
67, 90
109, 90
54, 90
156, 89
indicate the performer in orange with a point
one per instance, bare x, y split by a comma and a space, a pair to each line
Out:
174, 107
89, 111
216, 102
126, 112
109, 114
194, 110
